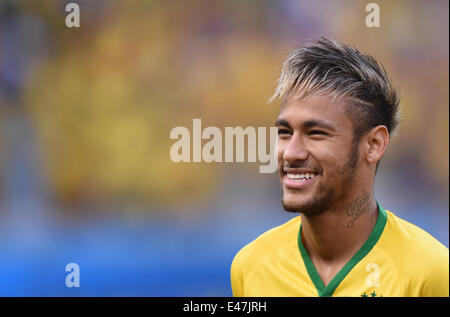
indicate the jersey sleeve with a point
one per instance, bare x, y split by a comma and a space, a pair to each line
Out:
236, 276
436, 282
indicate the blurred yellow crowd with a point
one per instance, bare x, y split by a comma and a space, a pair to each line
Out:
105, 98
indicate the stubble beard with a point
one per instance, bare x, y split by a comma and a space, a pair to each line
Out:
327, 196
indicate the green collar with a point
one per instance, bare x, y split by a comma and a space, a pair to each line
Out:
337, 279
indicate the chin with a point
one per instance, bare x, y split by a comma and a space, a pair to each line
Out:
309, 206
290, 207
293, 204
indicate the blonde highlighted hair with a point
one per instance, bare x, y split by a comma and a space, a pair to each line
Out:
332, 68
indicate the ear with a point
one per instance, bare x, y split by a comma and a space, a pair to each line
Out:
377, 141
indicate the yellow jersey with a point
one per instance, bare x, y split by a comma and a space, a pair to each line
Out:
398, 259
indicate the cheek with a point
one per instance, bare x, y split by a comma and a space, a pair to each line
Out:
328, 157
281, 146
334, 166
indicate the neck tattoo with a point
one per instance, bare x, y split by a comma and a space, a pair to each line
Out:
357, 208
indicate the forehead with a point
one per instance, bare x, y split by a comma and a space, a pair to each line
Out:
315, 107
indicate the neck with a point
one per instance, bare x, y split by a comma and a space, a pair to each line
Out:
335, 235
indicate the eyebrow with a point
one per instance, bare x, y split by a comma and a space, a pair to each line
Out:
307, 124
282, 122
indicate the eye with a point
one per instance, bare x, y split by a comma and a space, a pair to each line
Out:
283, 131
314, 132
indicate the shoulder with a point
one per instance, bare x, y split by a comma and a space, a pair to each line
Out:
265, 245
270, 241
421, 259
414, 239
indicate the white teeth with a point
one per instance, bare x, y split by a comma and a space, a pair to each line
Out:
301, 176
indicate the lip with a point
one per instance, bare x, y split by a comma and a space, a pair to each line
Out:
293, 184
297, 170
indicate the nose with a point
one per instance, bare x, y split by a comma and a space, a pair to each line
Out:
295, 150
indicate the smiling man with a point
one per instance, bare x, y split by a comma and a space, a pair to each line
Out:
338, 113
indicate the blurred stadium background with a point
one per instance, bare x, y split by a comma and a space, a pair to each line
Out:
85, 117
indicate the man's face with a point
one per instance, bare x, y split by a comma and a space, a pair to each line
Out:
317, 158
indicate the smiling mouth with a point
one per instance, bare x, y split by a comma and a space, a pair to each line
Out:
299, 181
301, 177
